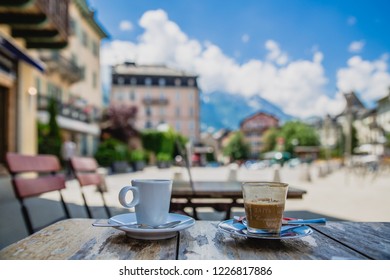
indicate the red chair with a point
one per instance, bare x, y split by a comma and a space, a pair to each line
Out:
85, 170
46, 179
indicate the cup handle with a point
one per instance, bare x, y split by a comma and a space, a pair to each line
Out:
122, 196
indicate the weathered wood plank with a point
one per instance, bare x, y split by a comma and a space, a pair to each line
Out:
204, 241
371, 239
78, 239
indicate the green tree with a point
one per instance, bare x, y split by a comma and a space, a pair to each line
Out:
49, 136
387, 144
355, 140
237, 148
162, 142
294, 133
299, 132
269, 139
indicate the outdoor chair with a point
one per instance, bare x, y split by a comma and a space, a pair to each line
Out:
33, 175
86, 172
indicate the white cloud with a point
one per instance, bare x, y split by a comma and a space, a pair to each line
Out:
125, 25
369, 78
275, 54
297, 86
356, 46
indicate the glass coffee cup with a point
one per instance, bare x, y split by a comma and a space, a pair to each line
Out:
264, 204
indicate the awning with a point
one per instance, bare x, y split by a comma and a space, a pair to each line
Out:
17, 53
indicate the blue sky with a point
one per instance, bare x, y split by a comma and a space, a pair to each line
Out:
300, 55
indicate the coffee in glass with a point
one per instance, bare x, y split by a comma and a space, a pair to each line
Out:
264, 204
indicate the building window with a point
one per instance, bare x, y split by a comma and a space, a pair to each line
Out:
148, 111
38, 85
162, 111
191, 96
178, 126
83, 69
148, 82
192, 126
84, 145
95, 48
120, 96
132, 95
133, 81
84, 38
54, 91
94, 80
177, 82
190, 82
121, 80
191, 112
161, 82
148, 124
72, 26
177, 96
162, 95
177, 111
148, 95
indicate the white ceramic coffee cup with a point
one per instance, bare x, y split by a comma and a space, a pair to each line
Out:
151, 199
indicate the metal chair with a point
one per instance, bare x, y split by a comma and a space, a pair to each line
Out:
45, 179
85, 170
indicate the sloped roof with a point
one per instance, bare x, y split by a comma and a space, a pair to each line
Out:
89, 15
131, 68
258, 114
354, 105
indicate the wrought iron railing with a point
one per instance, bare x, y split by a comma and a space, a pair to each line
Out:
86, 114
57, 12
155, 101
62, 65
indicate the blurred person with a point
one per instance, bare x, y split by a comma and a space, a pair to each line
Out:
68, 150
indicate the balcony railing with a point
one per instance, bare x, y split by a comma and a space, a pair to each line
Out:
57, 63
155, 101
42, 23
87, 114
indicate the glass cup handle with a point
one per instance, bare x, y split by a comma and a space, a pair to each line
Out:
122, 196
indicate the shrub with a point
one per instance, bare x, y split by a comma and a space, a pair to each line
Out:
164, 157
110, 151
137, 155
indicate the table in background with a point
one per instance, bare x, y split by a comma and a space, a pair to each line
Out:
78, 239
221, 196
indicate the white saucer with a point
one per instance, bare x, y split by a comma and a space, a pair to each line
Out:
152, 234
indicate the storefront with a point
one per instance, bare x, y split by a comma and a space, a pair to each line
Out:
16, 66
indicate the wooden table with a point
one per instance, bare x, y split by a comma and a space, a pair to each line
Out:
221, 196
77, 239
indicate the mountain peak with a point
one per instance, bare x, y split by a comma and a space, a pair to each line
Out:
224, 110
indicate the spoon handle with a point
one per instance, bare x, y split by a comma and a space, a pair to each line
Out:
319, 221
115, 225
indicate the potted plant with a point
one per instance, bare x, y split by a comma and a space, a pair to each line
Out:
137, 159
113, 153
163, 160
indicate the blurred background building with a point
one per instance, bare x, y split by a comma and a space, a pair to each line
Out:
253, 128
163, 96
